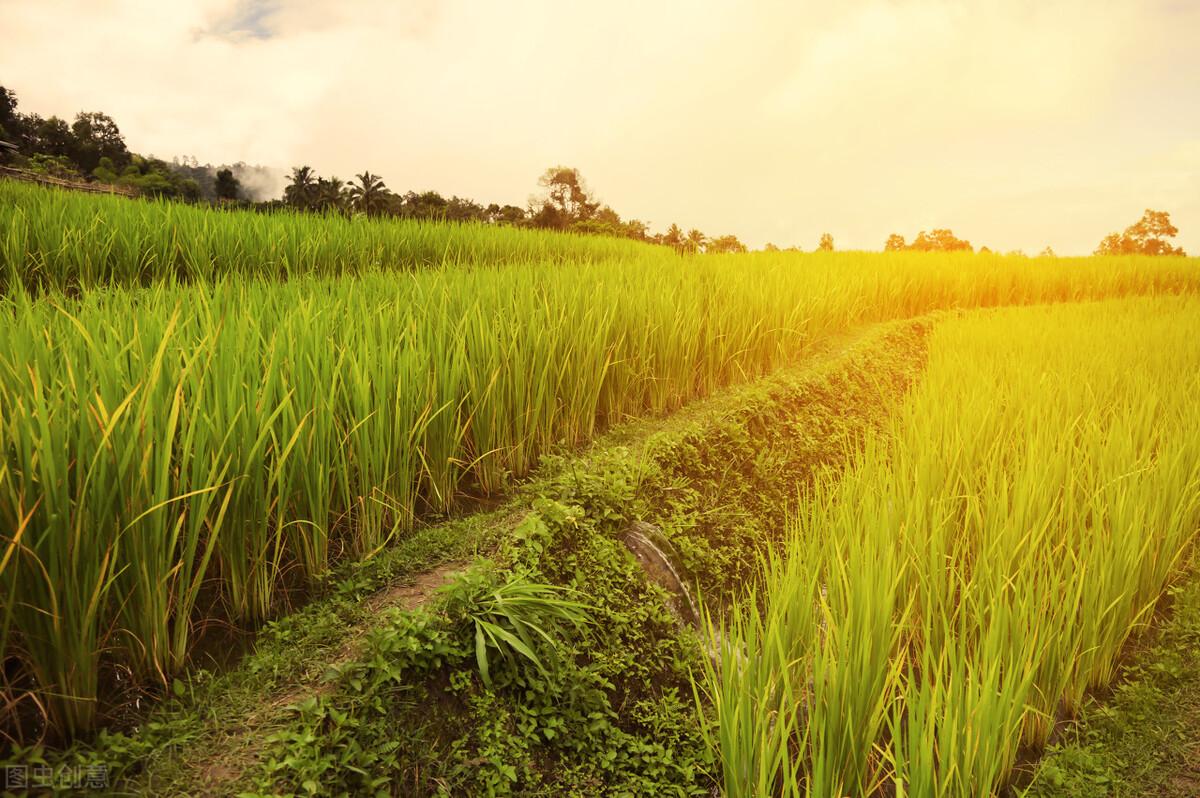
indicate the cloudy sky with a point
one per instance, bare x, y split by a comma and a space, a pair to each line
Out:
1018, 123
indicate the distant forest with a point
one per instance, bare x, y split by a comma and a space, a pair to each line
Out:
92, 149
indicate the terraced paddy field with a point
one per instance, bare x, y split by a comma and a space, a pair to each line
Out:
569, 515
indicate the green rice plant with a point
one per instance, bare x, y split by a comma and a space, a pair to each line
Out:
62, 566
219, 431
58, 240
309, 503
854, 665
758, 682
959, 724
981, 562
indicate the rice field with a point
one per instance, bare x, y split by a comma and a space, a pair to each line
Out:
53, 240
187, 437
978, 567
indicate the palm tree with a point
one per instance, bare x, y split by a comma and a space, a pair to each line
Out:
673, 237
368, 194
300, 192
694, 241
330, 194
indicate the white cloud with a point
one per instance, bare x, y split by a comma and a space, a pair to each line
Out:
775, 120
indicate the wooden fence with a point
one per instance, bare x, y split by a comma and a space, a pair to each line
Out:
47, 180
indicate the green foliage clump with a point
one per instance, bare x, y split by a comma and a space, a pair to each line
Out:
523, 679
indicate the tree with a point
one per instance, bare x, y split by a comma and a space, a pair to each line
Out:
1047, 253
1147, 237
301, 191
97, 136
940, 240
725, 244
329, 194
607, 216
154, 177
604, 222
12, 125
549, 216
568, 194
694, 241
15, 127
106, 171
425, 205
53, 136
369, 194
461, 209
637, 229
826, 243
228, 187
769, 247
503, 214
673, 237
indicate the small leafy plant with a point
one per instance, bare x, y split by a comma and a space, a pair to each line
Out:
514, 617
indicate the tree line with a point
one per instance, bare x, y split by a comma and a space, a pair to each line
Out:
1148, 236
565, 204
91, 148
